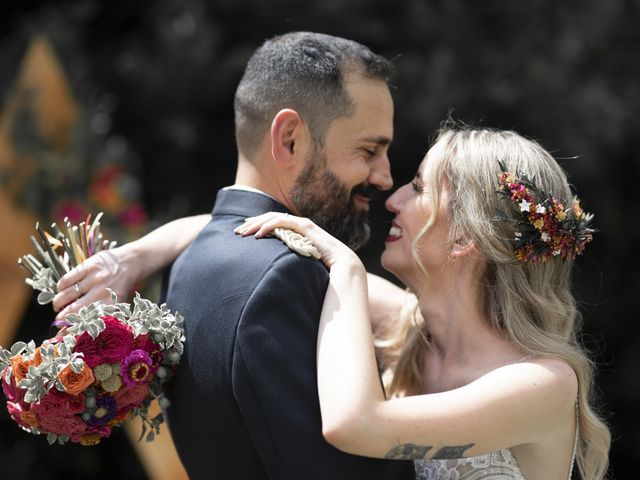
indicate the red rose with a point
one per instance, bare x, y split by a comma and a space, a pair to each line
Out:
110, 346
56, 402
129, 397
63, 425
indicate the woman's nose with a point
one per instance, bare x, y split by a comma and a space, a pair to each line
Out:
395, 201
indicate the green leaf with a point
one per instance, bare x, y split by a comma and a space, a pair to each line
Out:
17, 348
45, 297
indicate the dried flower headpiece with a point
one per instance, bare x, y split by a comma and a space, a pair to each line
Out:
545, 228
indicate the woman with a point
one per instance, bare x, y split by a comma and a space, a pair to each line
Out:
488, 379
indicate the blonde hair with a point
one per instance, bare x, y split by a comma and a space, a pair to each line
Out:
531, 304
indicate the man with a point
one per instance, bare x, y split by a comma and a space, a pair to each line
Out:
314, 120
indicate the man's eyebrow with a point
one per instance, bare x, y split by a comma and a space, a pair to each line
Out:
378, 140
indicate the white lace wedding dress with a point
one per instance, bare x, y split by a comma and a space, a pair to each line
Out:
498, 465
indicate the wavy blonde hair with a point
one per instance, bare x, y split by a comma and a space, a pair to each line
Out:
531, 304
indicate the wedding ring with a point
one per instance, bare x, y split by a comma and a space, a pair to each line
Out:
79, 292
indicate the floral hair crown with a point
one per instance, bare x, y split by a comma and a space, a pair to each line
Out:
544, 228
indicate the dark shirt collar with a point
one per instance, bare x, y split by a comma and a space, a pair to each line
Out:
245, 203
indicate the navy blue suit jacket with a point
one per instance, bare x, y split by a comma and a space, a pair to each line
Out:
244, 401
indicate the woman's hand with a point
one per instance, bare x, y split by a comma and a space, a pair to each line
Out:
117, 269
331, 249
121, 268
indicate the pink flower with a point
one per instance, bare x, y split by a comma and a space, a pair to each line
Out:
63, 425
75, 402
144, 342
136, 368
58, 403
111, 346
16, 411
103, 431
9, 389
127, 398
97, 432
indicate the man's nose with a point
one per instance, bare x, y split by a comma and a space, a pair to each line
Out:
381, 173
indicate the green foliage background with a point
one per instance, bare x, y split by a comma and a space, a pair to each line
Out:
565, 73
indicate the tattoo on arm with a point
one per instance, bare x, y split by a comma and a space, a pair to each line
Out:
411, 451
452, 452
408, 451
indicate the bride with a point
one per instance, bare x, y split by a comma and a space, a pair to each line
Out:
485, 377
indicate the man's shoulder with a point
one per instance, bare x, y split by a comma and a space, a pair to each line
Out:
218, 244
221, 265
297, 264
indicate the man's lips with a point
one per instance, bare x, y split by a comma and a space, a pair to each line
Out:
362, 201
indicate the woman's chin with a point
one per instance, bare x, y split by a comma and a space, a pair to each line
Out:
389, 263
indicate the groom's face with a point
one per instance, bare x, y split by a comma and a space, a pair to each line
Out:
340, 177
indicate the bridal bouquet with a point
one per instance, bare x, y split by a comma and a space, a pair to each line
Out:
105, 365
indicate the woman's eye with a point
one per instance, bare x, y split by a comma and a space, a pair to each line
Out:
416, 187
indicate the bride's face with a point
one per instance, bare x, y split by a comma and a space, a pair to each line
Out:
412, 205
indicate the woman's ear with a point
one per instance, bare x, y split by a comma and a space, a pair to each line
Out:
288, 138
462, 248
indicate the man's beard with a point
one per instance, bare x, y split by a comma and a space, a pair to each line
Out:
320, 195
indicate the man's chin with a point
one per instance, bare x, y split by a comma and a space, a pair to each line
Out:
361, 238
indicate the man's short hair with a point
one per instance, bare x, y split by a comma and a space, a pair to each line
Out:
303, 71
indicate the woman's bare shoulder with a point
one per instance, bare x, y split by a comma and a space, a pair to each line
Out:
540, 377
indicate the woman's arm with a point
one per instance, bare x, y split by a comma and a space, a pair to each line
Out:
510, 406
121, 268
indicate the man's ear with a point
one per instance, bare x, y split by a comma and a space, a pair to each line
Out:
462, 248
288, 137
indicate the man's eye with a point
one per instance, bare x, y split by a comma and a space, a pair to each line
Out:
370, 153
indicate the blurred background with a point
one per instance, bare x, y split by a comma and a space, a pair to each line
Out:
125, 107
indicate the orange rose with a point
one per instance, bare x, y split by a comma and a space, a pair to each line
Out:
19, 367
75, 383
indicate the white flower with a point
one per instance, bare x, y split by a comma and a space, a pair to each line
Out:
541, 209
556, 253
524, 205
545, 237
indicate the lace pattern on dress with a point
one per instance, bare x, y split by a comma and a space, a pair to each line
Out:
500, 465
492, 466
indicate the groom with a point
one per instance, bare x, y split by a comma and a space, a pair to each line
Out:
314, 119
